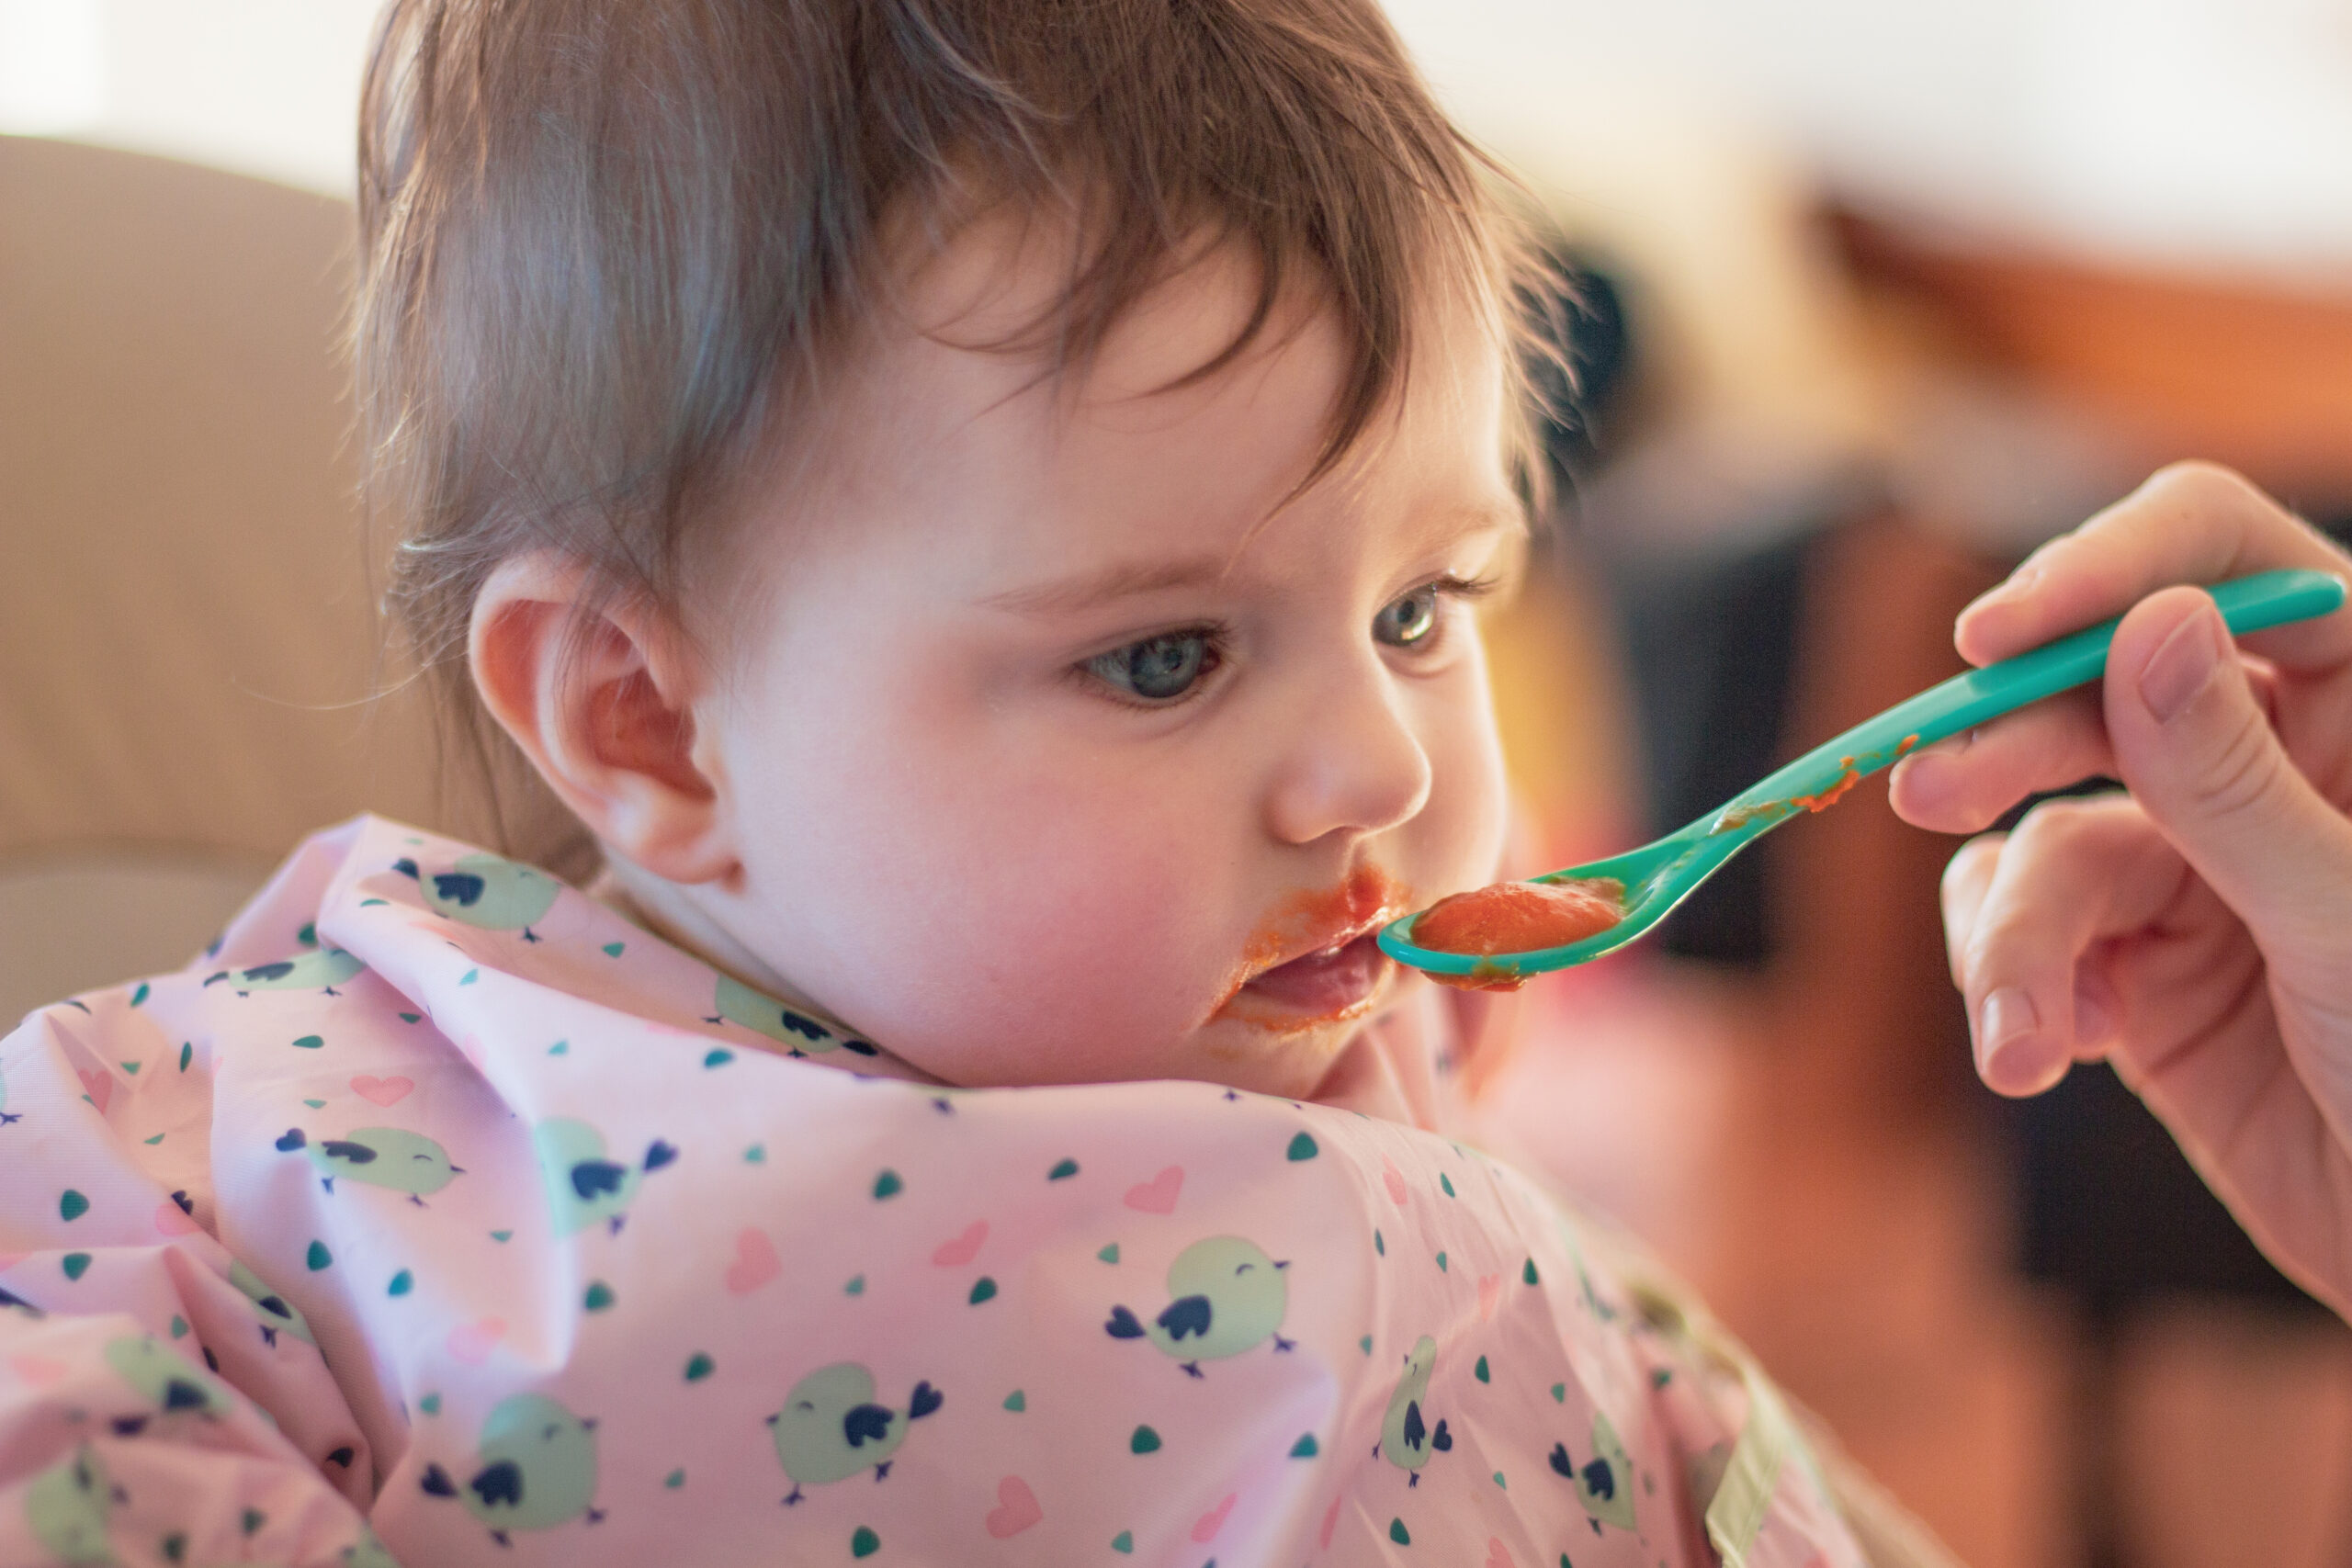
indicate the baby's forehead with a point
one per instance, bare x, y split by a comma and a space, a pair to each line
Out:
1000, 293
955, 432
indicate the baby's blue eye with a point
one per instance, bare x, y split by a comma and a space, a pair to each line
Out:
1159, 668
1408, 619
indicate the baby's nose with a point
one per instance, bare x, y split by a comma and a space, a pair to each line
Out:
1352, 762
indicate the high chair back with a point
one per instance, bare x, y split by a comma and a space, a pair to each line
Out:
186, 631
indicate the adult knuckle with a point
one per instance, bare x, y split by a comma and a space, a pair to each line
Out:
2064, 829
2242, 772
1970, 865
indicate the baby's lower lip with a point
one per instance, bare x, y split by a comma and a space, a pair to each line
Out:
1323, 984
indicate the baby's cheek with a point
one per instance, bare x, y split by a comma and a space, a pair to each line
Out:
1457, 840
1083, 963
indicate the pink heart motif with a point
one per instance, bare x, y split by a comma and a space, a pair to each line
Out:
381, 1091
1204, 1528
1330, 1523
1498, 1554
1394, 1179
472, 1342
173, 1220
38, 1371
98, 1084
1490, 1291
964, 1248
755, 1262
1016, 1508
1157, 1196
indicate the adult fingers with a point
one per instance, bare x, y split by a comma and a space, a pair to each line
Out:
1962, 784
2075, 874
2193, 743
2191, 523
1966, 782
1966, 881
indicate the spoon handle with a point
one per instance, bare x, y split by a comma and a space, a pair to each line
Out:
2247, 604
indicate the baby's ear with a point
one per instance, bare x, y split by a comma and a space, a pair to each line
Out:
603, 701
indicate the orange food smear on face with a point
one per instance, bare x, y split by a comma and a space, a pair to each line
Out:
1369, 897
1516, 916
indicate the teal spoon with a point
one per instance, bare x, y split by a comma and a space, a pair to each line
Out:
1659, 875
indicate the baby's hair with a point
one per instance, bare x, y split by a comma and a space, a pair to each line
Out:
610, 248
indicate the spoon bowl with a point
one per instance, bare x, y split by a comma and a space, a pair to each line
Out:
1661, 874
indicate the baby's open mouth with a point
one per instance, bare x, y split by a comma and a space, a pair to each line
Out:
1329, 983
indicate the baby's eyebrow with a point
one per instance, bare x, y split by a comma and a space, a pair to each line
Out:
1121, 581
1085, 591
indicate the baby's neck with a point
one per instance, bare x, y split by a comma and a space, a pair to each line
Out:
664, 908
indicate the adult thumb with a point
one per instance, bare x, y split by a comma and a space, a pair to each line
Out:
2199, 755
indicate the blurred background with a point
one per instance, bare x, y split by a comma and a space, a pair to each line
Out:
1873, 296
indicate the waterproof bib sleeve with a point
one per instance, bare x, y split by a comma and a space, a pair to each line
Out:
539, 1241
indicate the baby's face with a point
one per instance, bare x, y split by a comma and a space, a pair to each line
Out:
1053, 751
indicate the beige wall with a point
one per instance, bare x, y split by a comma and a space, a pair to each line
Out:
186, 640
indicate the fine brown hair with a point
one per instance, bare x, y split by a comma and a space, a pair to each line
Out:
609, 247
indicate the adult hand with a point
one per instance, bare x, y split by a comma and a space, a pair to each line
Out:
2197, 932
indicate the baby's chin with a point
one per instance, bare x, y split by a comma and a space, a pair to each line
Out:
1286, 1058
1291, 1062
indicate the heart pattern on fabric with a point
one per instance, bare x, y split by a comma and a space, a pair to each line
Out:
1498, 1554
1016, 1508
755, 1262
964, 1248
1490, 1294
1204, 1528
98, 1084
1157, 1196
1393, 1179
381, 1091
472, 1342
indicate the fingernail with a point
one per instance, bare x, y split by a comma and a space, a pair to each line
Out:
2009, 1016
2181, 667
2014, 1058
2010, 587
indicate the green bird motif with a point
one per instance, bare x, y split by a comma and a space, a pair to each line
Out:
323, 970
484, 890
275, 1311
535, 1468
830, 1427
1604, 1485
366, 1552
1226, 1296
1407, 1440
800, 1034
158, 1375
67, 1506
389, 1157
584, 1186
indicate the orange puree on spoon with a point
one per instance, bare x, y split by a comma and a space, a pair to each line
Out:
1517, 917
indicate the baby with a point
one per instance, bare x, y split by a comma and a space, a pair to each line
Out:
976, 506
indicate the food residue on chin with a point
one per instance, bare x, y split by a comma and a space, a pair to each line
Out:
1739, 817
1516, 916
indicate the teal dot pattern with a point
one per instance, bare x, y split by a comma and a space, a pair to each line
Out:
678, 1286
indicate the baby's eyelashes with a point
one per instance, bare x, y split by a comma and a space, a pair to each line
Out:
1158, 672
